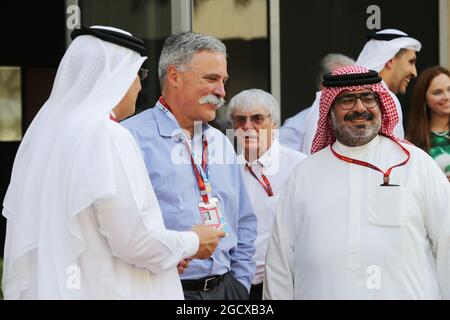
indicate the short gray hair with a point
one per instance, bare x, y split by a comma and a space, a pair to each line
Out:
179, 48
254, 98
331, 62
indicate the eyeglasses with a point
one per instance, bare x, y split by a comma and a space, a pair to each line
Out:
348, 101
256, 119
142, 73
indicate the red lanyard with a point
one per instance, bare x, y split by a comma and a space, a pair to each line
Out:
201, 174
164, 103
265, 183
202, 177
371, 166
112, 118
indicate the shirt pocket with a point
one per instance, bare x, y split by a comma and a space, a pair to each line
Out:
388, 207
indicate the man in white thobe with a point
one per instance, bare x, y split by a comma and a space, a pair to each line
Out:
83, 219
266, 165
366, 216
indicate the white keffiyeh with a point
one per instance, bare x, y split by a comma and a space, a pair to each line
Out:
376, 53
55, 177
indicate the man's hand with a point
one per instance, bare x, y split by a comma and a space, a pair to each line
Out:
209, 239
181, 267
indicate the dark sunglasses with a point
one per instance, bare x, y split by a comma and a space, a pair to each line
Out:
256, 119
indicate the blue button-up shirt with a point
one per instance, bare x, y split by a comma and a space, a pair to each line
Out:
168, 163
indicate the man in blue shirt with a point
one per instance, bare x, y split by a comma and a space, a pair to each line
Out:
193, 167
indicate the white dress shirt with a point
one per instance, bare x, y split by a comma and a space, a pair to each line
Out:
276, 164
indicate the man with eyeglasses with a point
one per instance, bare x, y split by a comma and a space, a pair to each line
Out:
266, 165
298, 131
83, 218
367, 215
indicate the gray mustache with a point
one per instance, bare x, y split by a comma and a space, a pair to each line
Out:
212, 99
358, 115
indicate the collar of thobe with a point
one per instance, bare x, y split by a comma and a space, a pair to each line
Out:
385, 84
387, 88
357, 152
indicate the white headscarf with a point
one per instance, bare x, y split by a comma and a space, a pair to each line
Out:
55, 176
376, 53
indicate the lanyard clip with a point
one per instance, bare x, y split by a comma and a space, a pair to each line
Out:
386, 182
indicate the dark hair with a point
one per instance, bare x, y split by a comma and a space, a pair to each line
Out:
400, 52
418, 130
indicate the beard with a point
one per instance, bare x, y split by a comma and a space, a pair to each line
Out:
402, 88
359, 135
403, 84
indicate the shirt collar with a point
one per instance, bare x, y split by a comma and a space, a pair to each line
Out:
356, 151
166, 126
386, 87
269, 157
169, 127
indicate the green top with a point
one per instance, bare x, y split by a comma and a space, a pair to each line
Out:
440, 150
